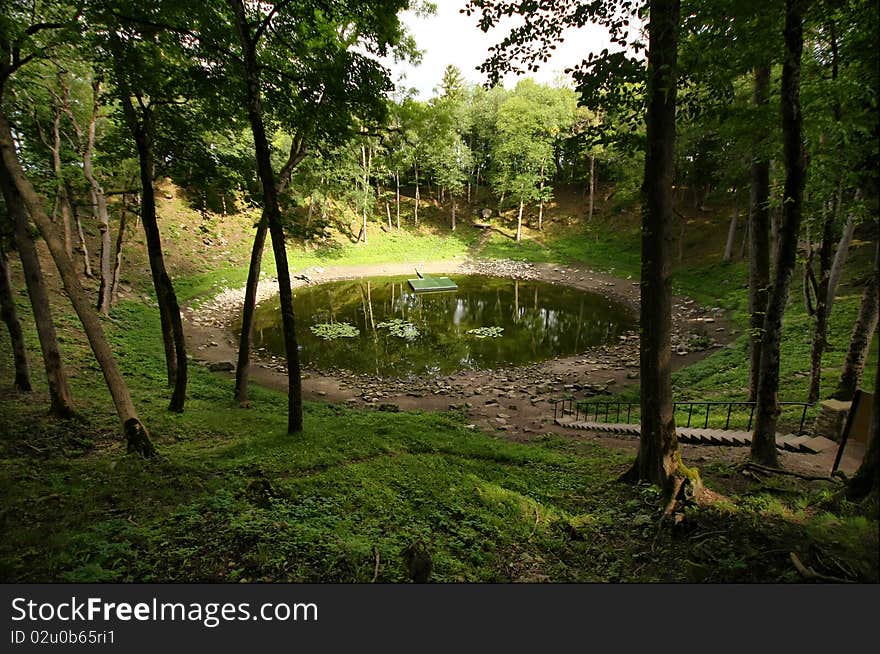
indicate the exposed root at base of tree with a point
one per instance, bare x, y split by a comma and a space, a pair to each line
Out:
138, 439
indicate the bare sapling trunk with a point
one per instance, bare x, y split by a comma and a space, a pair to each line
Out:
759, 231
840, 256
117, 259
397, 195
61, 197
731, 234
763, 448
272, 214
388, 214
60, 399
541, 200
298, 152
87, 265
860, 340
136, 434
10, 318
658, 460
99, 205
416, 206
453, 210
519, 221
592, 188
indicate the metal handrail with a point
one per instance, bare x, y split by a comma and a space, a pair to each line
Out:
593, 408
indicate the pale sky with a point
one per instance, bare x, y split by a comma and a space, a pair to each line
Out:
450, 37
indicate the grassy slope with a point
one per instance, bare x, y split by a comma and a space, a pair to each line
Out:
234, 498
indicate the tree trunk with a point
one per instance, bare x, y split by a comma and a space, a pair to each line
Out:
731, 234
541, 201
60, 187
759, 230
767, 411
246, 336
519, 221
860, 341
416, 210
840, 257
272, 214
592, 188
658, 460
140, 126
99, 205
117, 261
824, 293
397, 196
388, 214
10, 317
453, 212
60, 399
136, 434
87, 266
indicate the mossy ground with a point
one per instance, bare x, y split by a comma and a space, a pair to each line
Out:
234, 498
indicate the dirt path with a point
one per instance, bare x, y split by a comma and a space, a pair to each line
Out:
515, 401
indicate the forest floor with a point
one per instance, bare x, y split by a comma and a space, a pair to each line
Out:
234, 498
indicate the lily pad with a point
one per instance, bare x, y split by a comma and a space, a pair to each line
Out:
331, 331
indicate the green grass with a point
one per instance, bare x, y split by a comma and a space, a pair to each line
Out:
234, 498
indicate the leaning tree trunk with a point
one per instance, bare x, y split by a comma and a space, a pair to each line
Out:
658, 460
767, 412
453, 210
418, 197
136, 434
759, 230
99, 207
272, 213
10, 317
60, 399
298, 152
87, 266
860, 341
61, 196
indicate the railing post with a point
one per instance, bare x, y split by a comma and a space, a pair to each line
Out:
690, 413
607, 408
729, 409
751, 415
629, 408
706, 422
803, 418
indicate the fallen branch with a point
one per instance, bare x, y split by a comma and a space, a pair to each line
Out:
781, 471
809, 573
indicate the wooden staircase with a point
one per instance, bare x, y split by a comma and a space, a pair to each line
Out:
787, 442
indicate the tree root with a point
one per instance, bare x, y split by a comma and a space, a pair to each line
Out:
809, 573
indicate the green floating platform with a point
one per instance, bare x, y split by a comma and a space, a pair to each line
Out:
426, 284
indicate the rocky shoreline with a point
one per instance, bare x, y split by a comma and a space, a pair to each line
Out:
517, 400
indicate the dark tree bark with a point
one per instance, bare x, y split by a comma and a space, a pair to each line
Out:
272, 213
298, 152
860, 341
140, 124
10, 317
658, 460
767, 410
60, 399
759, 231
